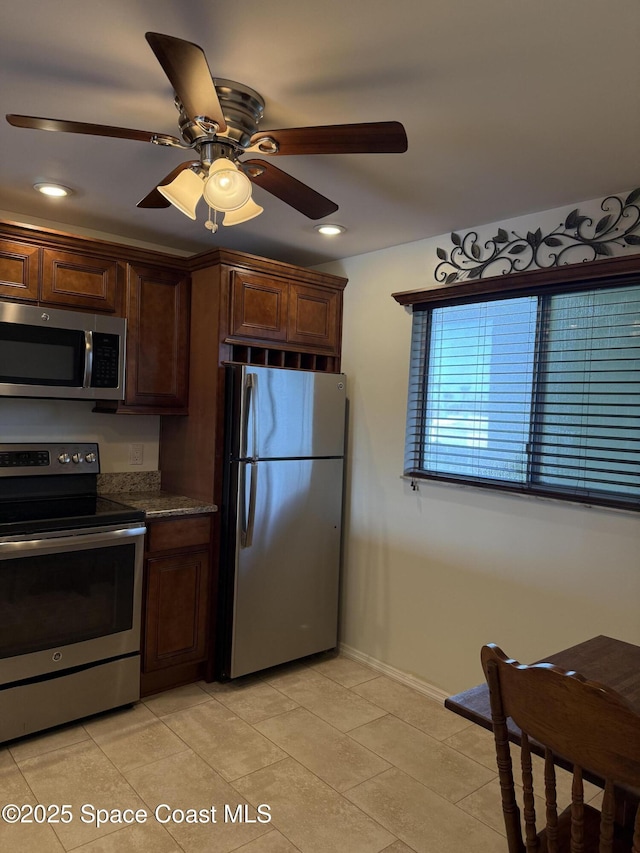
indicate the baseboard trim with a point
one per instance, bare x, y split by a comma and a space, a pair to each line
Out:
418, 684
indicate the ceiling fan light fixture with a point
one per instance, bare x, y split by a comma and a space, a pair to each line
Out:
52, 190
226, 188
248, 211
330, 229
184, 192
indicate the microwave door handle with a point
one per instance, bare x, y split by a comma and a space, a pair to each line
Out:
88, 359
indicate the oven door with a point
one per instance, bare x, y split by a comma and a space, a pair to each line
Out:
69, 599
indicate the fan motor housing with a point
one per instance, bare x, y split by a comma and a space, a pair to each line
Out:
242, 108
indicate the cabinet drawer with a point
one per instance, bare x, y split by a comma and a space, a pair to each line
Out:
177, 533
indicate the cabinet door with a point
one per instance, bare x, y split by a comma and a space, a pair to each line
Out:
18, 270
176, 610
79, 281
258, 307
157, 340
314, 318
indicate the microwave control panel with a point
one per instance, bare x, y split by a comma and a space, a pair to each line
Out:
105, 372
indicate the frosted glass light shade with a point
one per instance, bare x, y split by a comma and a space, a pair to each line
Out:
184, 192
226, 188
248, 211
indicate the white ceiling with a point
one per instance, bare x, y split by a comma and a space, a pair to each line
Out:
510, 107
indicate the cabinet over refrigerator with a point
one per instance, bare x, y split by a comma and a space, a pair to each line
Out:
281, 516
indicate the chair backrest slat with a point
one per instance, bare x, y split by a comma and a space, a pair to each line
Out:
577, 812
531, 835
607, 813
551, 801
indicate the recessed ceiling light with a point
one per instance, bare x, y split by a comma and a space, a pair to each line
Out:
330, 229
54, 190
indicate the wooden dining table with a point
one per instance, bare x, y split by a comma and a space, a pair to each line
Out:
612, 662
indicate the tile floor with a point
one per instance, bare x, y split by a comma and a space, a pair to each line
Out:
322, 756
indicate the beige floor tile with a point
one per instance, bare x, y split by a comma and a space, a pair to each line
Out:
421, 818
227, 743
477, 743
38, 744
398, 847
343, 670
26, 838
439, 767
485, 805
253, 699
177, 699
186, 781
333, 756
13, 785
313, 816
133, 737
76, 775
272, 842
333, 703
149, 837
412, 707
32, 838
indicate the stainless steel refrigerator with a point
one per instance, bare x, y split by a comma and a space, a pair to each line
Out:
281, 516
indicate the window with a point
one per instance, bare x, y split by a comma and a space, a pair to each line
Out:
536, 393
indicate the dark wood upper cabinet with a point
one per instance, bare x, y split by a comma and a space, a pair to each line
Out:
74, 280
157, 311
292, 308
19, 270
258, 307
314, 317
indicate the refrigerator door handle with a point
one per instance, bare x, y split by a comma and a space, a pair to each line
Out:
247, 397
248, 517
249, 416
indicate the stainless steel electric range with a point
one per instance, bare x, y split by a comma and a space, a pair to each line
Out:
70, 589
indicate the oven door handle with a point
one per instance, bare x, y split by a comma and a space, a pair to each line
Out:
67, 540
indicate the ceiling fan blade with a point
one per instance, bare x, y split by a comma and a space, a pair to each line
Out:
288, 189
35, 123
187, 68
379, 137
155, 198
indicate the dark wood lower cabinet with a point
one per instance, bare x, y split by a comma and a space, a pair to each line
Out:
177, 596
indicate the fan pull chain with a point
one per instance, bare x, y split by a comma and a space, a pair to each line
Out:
212, 224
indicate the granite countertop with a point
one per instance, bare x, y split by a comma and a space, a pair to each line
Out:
142, 491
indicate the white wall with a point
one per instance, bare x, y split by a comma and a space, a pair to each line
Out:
433, 574
68, 420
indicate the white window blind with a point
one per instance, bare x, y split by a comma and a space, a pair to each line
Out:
537, 393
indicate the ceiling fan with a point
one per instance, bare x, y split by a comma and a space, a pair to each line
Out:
218, 120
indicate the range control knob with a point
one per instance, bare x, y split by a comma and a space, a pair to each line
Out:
90, 457
64, 458
77, 457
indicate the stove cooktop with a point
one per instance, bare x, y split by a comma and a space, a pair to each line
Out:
53, 486
65, 513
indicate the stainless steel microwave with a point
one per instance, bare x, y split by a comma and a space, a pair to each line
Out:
48, 352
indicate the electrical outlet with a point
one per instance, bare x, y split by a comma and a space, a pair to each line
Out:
136, 454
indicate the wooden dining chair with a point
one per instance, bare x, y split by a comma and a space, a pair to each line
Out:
581, 721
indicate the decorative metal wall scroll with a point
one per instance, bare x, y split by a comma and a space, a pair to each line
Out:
504, 254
